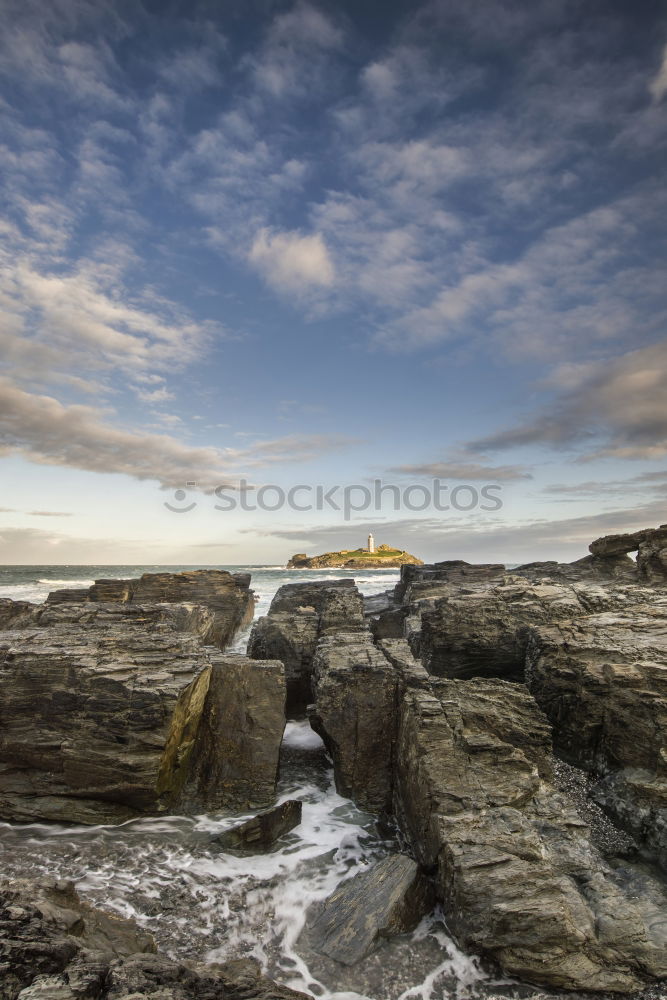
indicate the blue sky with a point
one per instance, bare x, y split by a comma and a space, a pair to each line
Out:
322, 244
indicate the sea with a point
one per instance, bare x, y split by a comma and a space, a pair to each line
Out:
202, 903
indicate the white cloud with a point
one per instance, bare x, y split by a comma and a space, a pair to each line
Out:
658, 85
468, 471
292, 262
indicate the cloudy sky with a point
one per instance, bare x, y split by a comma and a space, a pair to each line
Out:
323, 244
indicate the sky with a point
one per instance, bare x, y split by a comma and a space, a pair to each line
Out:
258, 245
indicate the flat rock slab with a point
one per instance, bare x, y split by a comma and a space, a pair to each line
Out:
391, 898
262, 831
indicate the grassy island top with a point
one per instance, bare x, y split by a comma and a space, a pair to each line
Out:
383, 555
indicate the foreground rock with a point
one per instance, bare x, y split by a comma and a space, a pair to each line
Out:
355, 692
227, 597
105, 716
299, 614
391, 898
514, 865
262, 831
53, 946
602, 680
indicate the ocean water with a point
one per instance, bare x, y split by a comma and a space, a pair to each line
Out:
205, 904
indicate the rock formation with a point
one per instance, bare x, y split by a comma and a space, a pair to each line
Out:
110, 711
390, 898
299, 614
227, 597
262, 831
384, 557
53, 946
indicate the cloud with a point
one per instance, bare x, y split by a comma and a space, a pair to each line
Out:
468, 471
615, 408
294, 58
475, 539
47, 432
658, 85
50, 513
291, 262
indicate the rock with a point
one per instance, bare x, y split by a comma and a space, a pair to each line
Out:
54, 946
385, 557
484, 632
355, 691
226, 595
262, 831
106, 715
299, 614
652, 557
391, 898
515, 870
602, 680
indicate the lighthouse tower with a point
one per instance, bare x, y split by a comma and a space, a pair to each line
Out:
371, 544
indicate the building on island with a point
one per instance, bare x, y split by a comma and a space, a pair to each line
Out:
371, 544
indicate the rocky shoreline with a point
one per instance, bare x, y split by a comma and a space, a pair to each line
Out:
511, 726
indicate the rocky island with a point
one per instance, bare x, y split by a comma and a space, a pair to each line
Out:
382, 557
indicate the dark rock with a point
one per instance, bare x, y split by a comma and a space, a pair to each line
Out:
227, 597
391, 898
483, 633
105, 716
262, 831
355, 690
514, 867
53, 946
602, 680
299, 614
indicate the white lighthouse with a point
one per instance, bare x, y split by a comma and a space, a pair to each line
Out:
371, 544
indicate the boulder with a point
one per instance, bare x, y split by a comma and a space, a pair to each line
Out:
299, 614
390, 898
602, 680
355, 691
262, 831
227, 596
54, 946
513, 864
105, 716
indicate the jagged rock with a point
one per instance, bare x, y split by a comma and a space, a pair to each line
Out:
54, 946
514, 866
299, 614
106, 715
262, 831
483, 633
226, 595
391, 898
355, 690
602, 680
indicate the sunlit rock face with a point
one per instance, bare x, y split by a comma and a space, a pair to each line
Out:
111, 711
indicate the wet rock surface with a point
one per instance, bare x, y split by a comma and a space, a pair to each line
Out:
262, 831
53, 946
391, 898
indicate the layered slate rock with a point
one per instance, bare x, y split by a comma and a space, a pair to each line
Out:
227, 596
602, 680
262, 831
484, 632
513, 862
108, 713
299, 614
54, 946
355, 691
388, 899
650, 545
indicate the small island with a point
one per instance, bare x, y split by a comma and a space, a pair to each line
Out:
382, 557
